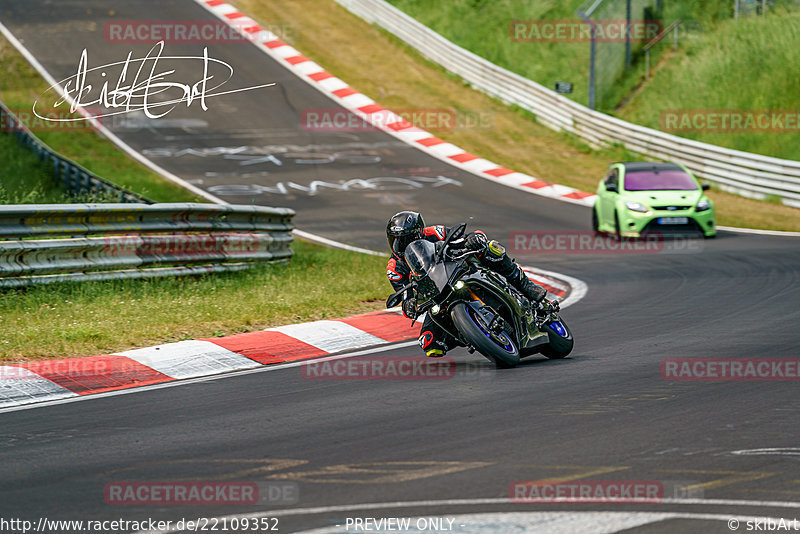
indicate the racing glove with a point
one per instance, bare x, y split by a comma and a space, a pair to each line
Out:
548, 306
476, 241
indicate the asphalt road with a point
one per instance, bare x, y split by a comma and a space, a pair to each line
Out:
605, 413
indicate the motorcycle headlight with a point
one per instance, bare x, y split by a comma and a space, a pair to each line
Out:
636, 206
703, 205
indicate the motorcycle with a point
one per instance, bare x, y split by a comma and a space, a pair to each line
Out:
477, 306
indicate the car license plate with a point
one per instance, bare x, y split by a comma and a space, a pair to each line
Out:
673, 220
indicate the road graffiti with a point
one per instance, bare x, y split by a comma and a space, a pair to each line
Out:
379, 183
312, 154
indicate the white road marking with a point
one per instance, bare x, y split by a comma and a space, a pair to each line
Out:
260, 369
778, 233
579, 287
779, 451
519, 522
335, 244
468, 502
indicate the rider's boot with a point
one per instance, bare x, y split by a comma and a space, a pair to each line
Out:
495, 255
525, 285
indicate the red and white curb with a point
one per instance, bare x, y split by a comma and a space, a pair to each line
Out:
51, 380
382, 118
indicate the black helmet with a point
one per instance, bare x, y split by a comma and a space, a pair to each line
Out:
403, 228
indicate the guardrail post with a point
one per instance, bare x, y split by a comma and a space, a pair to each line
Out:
676, 37
86, 183
627, 35
592, 55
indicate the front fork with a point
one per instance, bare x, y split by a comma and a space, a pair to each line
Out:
494, 321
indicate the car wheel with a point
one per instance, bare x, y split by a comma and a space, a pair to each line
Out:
595, 221
617, 230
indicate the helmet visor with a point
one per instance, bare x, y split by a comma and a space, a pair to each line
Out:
400, 242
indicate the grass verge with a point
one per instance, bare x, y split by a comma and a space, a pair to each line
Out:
721, 64
24, 179
83, 319
382, 67
86, 319
749, 65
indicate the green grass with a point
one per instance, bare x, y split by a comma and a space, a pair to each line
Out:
84, 319
21, 85
483, 27
747, 65
23, 178
721, 64
331, 36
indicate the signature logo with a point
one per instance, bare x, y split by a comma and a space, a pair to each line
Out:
138, 84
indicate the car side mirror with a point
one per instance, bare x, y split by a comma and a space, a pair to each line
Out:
706, 187
612, 188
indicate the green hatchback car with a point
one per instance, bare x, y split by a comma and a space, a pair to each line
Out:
638, 198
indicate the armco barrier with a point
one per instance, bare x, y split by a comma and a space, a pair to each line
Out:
109, 241
74, 177
745, 173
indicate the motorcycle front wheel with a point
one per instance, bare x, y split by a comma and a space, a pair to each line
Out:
499, 348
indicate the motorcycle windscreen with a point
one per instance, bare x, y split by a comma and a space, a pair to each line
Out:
420, 255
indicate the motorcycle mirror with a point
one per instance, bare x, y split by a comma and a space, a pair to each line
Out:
394, 300
397, 297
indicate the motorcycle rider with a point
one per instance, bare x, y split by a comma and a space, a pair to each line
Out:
408, 226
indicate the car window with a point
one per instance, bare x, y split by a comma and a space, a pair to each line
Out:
612, 178
650, 180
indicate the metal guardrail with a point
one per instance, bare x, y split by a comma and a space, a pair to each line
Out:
113, 241
74, 177
741, 172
